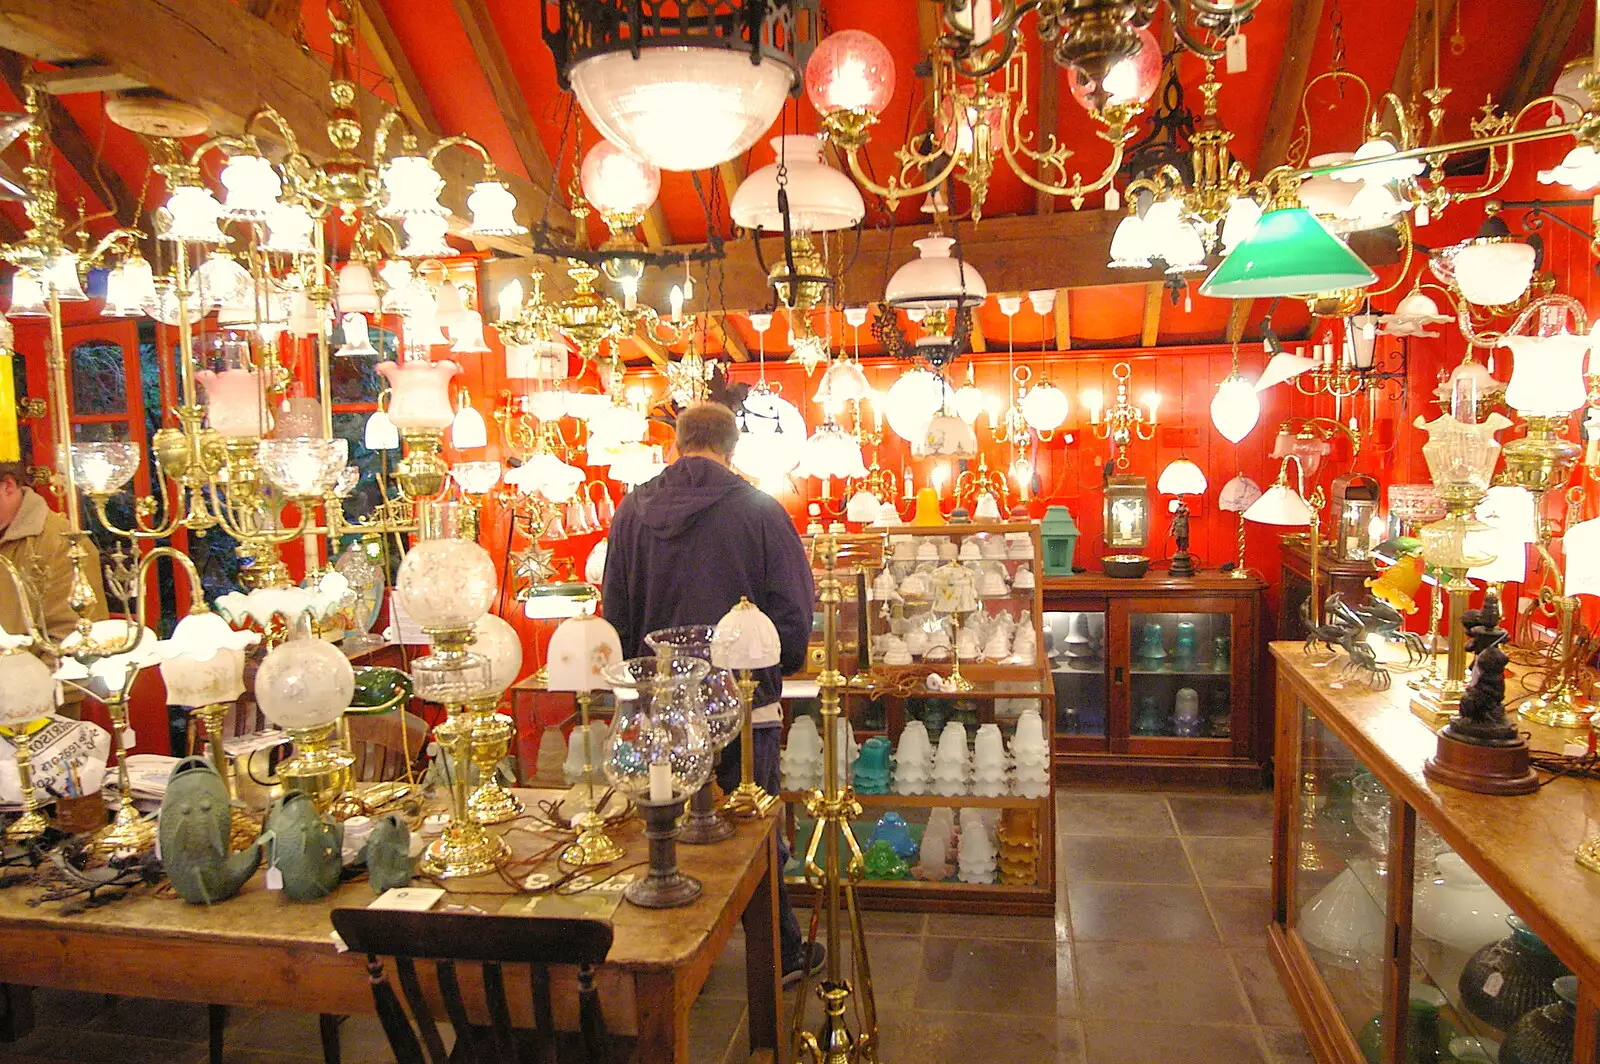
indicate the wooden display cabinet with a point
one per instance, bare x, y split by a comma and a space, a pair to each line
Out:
1118, 712
1333, 574
1000, 692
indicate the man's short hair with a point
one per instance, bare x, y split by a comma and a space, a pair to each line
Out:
707, 427
16, 471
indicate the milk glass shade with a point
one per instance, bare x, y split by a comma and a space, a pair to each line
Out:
658, 722
636, 463
411, 186
1546, 374
1412, 316
851, 71
192, 213
1181, 477
1582, 545
130, 287
202, 663
581, 649
1491, 271
1375, 166
680, 107
27, 296
832, 452
746, 638
380, 433
912, 400
1579, 170
1510, 513
842, 382
1290, 252
771, 433
104, 468
821, 199
495, 639
468, 429
493, 209
27, 689
1239, 222
935, 280
949, 436
1044, 407
617, 183
356, 293
1279, 505
1461, 456
969, 401
863, 508
304, 683
545, 474
289, 227
1129, 247
419, 393
446, 583
1236, 407
252, 188
558, 601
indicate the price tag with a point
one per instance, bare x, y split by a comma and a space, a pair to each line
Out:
1236, 56
1492, 985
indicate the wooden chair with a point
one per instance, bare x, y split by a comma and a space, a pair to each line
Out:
491, 942
380, 749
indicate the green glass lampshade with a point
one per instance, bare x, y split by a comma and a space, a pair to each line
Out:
1290, 253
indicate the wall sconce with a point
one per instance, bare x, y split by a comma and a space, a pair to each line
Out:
1122, 422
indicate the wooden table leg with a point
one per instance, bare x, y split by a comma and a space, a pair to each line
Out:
16, 1011
763, 977
663, 1020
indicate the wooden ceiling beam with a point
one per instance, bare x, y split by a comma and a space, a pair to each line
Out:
1542, 60
1304, 18
179, 49
731, 174
1238, 318
384, 44
659, 355
732, 343
657, 234
1414, 69
1045, 123
76, 148
976, 341
86, 77
1150, 328
1063, 320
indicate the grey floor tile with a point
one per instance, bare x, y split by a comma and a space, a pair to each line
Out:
712, 1023
1017, 976
981, 925
933, 1037
1156, 1043
1242, 913
1112, 814
1262, 988
892, 923
1286, 1045
1238, 815
1137, 912
1157, 983
1231, 861
1124, 859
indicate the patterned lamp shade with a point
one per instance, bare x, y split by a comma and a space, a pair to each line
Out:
580, 648
745, 638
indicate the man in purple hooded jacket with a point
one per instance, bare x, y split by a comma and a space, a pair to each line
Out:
684, 548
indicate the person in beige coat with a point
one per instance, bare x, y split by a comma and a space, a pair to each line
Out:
35, 539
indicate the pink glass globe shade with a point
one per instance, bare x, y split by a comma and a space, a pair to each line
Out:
617, 183
850, 71
1133, 79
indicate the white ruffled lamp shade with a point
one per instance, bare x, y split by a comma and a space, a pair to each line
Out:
252, 188
202, 663
411, 186
1181, 477
581, 648
1546, 374
745, 638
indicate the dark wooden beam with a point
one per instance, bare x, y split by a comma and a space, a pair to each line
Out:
1063, 322
1413, 71
1150, 328
732, 343
1542, 61
180, 49
378, 33
281, 15
1045, 124
657, 234
975, 338
1304, 18
75, 147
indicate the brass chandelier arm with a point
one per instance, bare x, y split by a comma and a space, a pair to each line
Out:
1077, 190
142, 504
894, 191
463, 141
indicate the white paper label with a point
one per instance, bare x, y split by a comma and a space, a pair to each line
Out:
1236, 54
274, 878
1492, 985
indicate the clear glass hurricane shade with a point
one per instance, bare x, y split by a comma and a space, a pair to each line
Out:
832, 452
659, 721
1579, 170
252, 188
452, 677
357, 294
498, 642
1457, 542
746, 638
1546, 374
192, 213
1290, 252
912, 400
935, 280
411, 188
27, 296
103, 468
850, 70
1492, 272
821, 198
719, 692
131, 285
476, 478
1129, 248
1236, 407
425, 237
1243, 215
303, 467
62, 275
949, 436
1376, 166
581, 648
1130, 80
419, 396
304, 683
1181, 477
1045, 407
234, 406
289, 227
446, 583
558, 601
1279, 505
680, 107
616, 182
493, 209
27, 689
380, 433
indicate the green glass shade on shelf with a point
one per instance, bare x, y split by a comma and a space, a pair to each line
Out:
1290, 253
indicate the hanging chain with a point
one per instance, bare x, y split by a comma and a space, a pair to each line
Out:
1336, 24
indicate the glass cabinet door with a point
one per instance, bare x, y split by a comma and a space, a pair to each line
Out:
1075, 644
1180, 675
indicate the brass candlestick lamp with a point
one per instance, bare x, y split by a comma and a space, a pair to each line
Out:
492, 732
747, 640
27, 697
581, 648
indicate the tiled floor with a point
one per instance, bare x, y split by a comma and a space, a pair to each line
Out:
1155, 954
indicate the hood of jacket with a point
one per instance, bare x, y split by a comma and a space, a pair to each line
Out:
672, 502
30, 517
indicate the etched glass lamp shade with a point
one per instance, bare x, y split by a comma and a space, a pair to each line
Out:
27, 689
446, 584
495, 639
104, 468
746, 638
202, 662
1461, 456
304, 683
850, 72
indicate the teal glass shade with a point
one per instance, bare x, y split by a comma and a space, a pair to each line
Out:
1290, 253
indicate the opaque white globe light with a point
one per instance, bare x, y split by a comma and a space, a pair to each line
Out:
446, 583
912, 400
682, 108
617, 183
1044, 407
305, 683
1236, 407
495, 639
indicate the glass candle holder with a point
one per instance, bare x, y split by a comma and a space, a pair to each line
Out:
660, 749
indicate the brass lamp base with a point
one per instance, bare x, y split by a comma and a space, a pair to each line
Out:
465, 849
1433, 702
1561, 708
491, 803
321, 775
748, 802
128, 832
593, 846
26, 827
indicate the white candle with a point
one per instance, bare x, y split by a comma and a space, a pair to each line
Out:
660, 781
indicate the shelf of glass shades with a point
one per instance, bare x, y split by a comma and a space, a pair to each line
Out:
930, 801
989, 680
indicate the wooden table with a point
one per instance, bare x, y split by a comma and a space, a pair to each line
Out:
261, 950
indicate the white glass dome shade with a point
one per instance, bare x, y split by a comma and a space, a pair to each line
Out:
682, 107
935, 279
820, 198
304, 683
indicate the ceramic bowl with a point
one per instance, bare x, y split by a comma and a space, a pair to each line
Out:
1125, 566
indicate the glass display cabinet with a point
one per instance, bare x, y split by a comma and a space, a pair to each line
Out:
952, 722
1420, 923
1157, 677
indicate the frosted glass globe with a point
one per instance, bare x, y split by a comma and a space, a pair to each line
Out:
495, 639
446, 583
27, 690
305, 683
